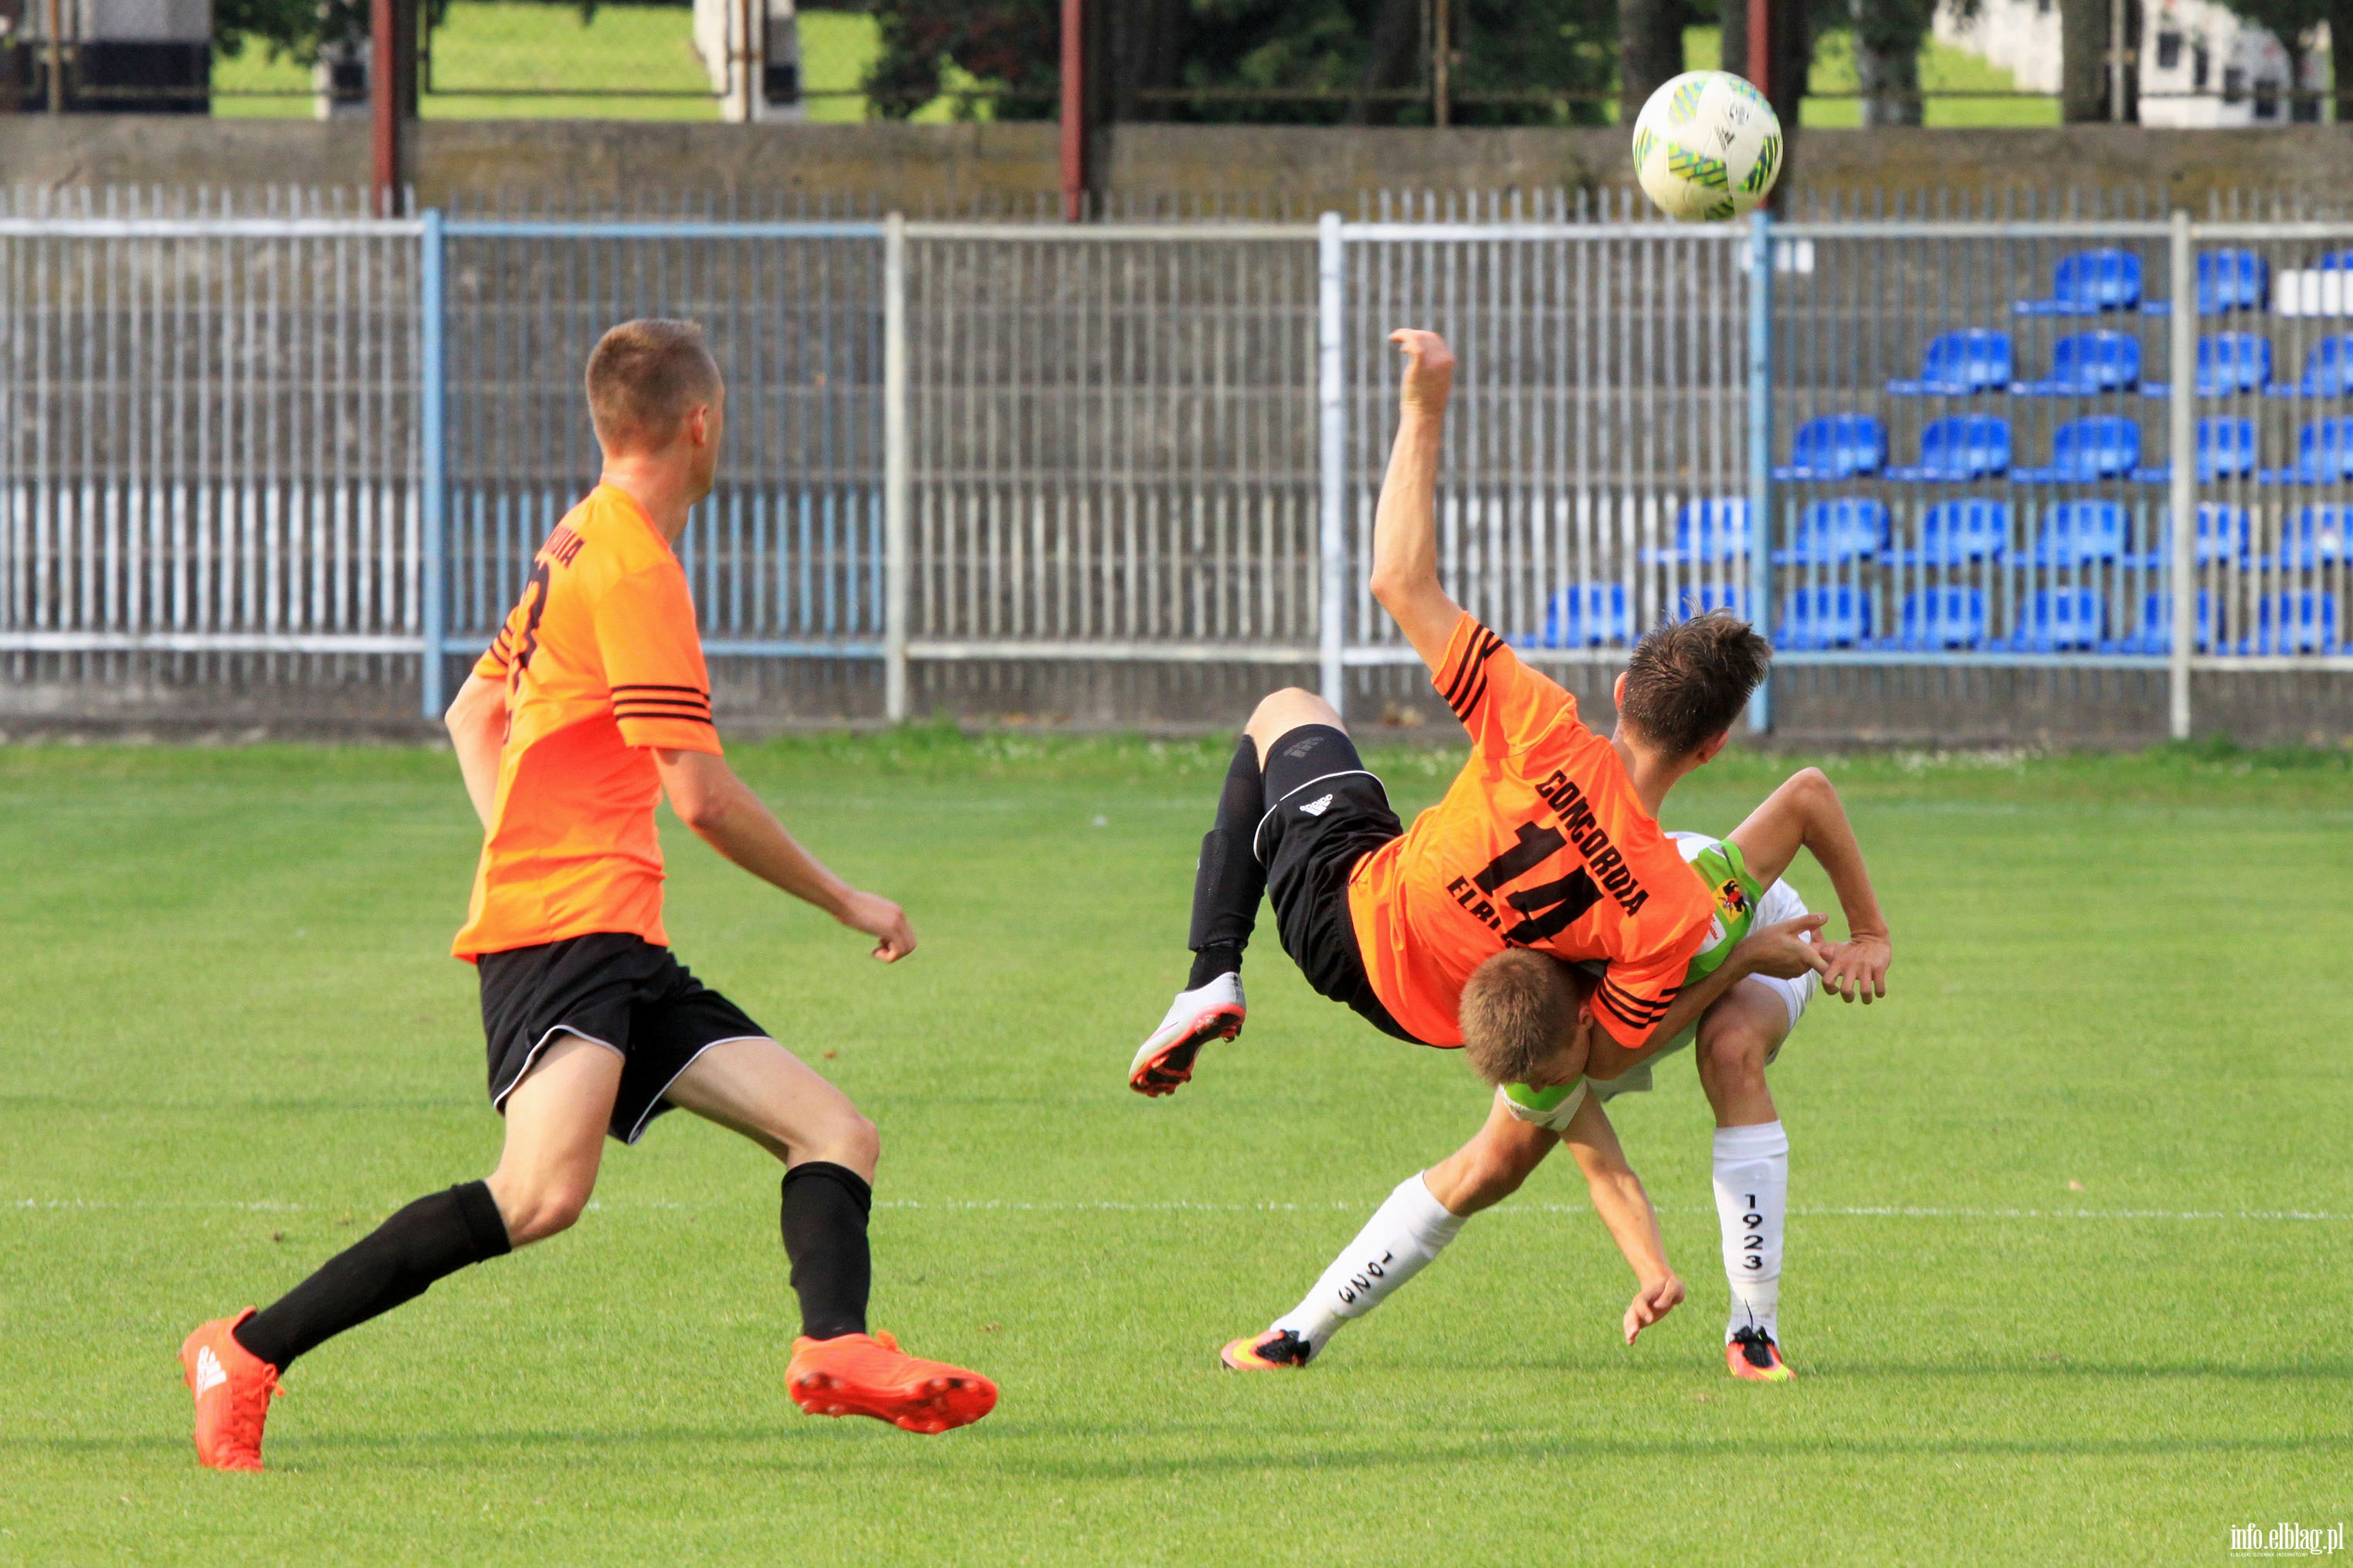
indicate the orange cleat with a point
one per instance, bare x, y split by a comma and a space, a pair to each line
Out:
233, 1388
1754, 1358
1270, 1352
867, 1374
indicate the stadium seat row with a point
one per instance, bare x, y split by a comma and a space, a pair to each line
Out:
1974, 360
2092, 282
1958, 532
1960, 448
1944, 619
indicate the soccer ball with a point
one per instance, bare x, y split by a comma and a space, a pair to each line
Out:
1707, 145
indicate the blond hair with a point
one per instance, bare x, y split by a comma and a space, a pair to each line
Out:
1518, 1009
644, 378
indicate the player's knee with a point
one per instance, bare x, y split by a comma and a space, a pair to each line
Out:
1286, 710
845, 1137
1734, 1055
541, 1209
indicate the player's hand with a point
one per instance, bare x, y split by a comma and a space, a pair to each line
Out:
1429, 370
1654, 1300
1785, 951
1858, 968
883, 920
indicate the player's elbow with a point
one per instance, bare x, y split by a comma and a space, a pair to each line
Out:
1393, 588
704, 811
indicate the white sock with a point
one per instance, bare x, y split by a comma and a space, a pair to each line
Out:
1752, 1205
1404, 1234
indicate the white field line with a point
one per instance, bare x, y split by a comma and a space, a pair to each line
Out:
993, 1205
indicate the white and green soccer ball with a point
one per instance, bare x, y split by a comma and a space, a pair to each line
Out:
1707, 146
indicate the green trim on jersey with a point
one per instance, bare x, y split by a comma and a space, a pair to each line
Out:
1542, 1101
1722, 868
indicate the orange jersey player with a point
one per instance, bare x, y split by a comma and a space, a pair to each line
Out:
591, 704
1467, 928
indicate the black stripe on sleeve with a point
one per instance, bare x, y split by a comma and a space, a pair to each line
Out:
1481, 647
1631, 1019
1471, 701
661, 711
653, 686
679, 717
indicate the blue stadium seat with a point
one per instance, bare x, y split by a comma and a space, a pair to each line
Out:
2228, 363
1956, 533
2084, 365
1944, 617
2227, 281
2302, 622
2223, 532
1714, 529
2156, 624
2087, 283
2059, 620
1699, 598
2078, 532
1973, 359
1586, 614
1826, 617
2324, 454
1837, 447
2226, 449
1960, 448
1852, 528
2099, 446
2326, 367
2315, 536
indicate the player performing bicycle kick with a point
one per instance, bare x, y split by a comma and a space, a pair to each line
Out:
1545, 853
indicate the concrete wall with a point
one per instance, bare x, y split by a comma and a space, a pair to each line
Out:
952, 167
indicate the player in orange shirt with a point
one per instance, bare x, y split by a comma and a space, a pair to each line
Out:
591, 704
1547, 852
1548, 842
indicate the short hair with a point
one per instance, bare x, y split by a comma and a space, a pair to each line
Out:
1517, 1011
645, 377
1689, 680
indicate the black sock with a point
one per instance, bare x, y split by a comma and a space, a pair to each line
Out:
1230, 882
824, 1220
393, 1263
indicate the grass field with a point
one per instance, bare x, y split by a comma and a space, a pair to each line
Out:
2072, 1216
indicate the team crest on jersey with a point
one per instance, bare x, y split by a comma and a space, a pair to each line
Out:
1731, 900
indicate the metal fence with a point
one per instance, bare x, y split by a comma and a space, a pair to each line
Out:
1159, 446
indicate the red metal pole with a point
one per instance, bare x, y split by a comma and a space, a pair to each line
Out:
383, 103
1074, 111
1760, 47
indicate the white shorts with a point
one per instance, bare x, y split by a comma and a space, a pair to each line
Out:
1777, 904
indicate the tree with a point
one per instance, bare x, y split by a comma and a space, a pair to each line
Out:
1650, 49
296, 29
1353, 61
1888, 36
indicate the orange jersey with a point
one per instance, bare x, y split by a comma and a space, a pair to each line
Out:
1540, 843
601, 662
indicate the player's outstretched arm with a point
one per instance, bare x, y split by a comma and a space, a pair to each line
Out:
724, 813
1806, 813
477, 721
1625, 1208
1404, 524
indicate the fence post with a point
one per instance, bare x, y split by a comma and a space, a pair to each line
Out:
1760, 449
895, 497
2182, 422
1332, 459
433, 427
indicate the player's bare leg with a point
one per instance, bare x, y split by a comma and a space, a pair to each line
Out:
556, 1120
1408, 1230
1228, 884
762, 1090
1737, 1038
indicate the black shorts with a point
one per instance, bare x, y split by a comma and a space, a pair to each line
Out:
1323, 814
612, 989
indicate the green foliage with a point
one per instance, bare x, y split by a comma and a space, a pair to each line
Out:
1302, 45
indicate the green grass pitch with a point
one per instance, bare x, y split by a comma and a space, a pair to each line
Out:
232, 1043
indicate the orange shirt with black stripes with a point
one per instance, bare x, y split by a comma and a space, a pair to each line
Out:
1541, 843
602, 666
